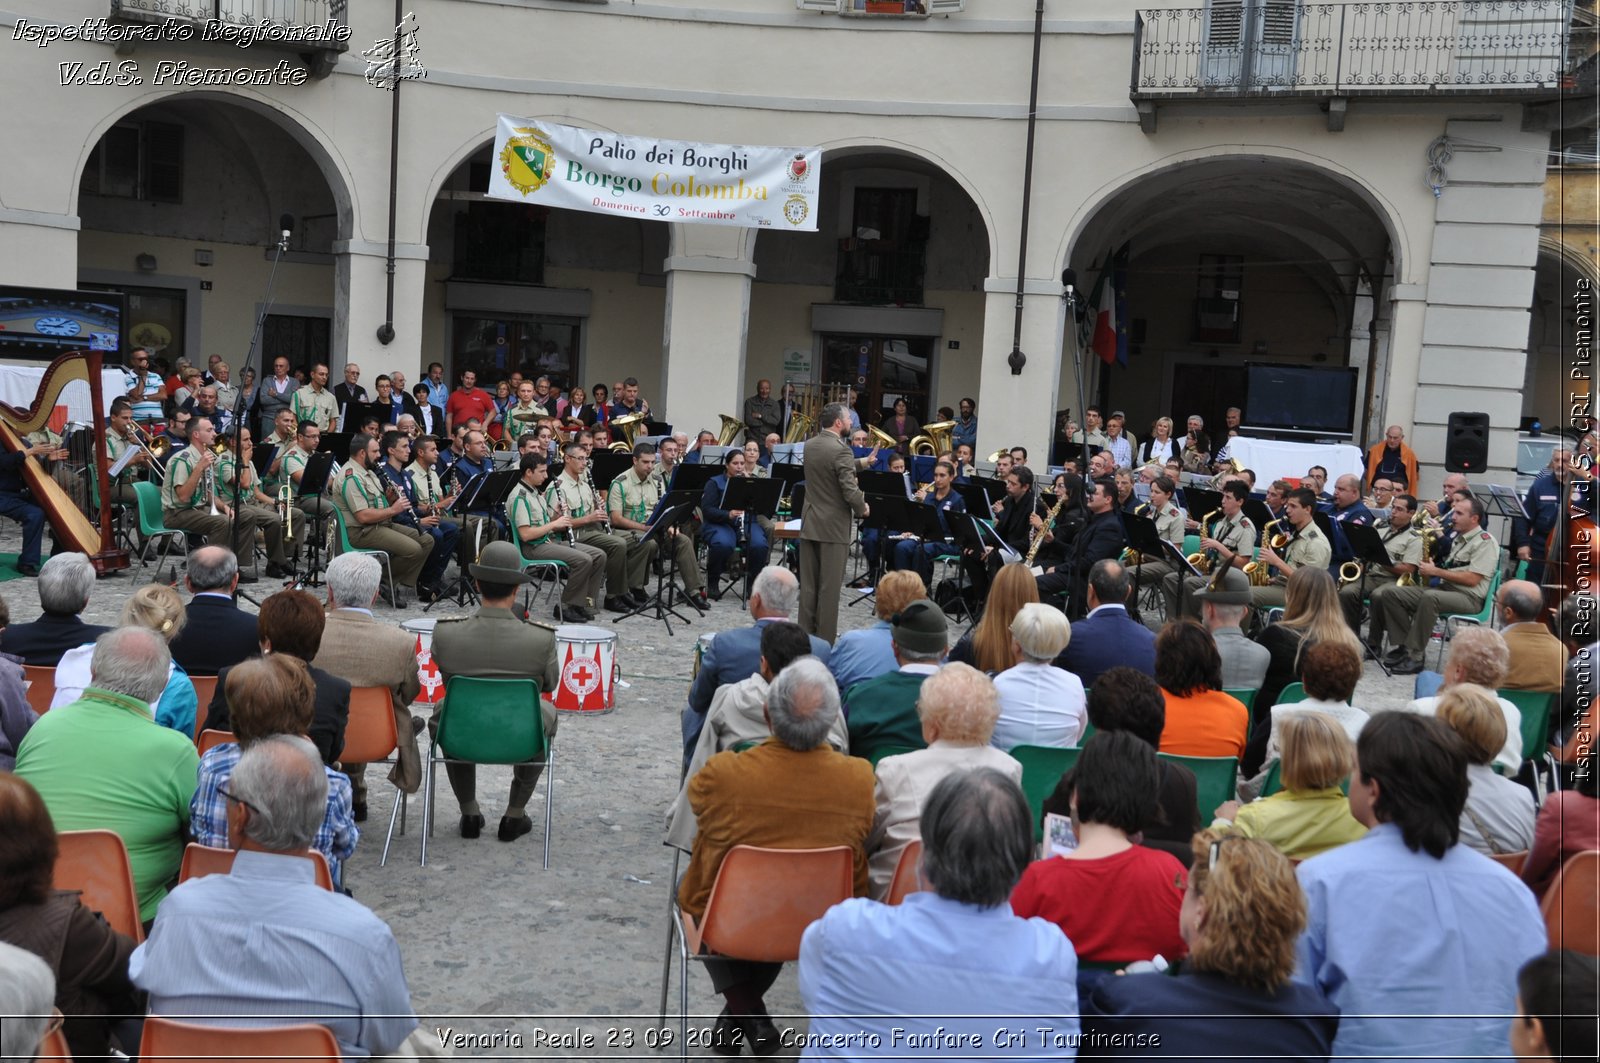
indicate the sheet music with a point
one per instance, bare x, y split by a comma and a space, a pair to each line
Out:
122, 463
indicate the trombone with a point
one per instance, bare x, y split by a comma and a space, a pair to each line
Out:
155, 449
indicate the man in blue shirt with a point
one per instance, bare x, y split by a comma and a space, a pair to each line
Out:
438, 390
1416, 938
1546, 503
966, 429
941, 972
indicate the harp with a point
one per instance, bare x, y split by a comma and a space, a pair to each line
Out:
71, 527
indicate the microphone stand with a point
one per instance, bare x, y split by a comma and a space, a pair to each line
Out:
286, 226
1069, 279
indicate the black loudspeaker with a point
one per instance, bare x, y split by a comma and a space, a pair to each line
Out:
1466, 443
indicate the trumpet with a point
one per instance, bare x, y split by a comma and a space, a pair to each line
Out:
286, 503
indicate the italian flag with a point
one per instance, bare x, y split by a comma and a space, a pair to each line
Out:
1108, 303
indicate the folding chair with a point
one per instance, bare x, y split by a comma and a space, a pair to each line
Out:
760, 905
169, 1041
551, 572
41, 686
95, 863
148, 498
1214, 778
370, 738
1042, 768
1246, 696
489, 721
345, 547
211, 738
1535, 709
1570, 915
1290, 694
202, 860
905, 881
205, 688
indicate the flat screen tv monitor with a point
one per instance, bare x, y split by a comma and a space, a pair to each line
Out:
1304, 399
41, 324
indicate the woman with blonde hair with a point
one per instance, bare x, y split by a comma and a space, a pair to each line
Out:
1160, 448
1234, 997
1311, 614
1311, 814
157, 607
987, 647
1499, 814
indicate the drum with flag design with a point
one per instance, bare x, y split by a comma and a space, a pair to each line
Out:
427, 672
587, 657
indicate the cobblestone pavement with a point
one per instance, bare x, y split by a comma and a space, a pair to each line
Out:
568, 960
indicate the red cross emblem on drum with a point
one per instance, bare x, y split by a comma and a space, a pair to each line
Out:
588, 669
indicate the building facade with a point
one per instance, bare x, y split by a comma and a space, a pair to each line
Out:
1291, 184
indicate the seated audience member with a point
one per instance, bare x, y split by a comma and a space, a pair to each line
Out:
1202, 721
750, 798
1499, 814
1234, 996
103, 762
958, 706
1117, 902
955, 949
217, 633
1478, 655
158, 608
26, 989
311, 951
1465, 920
88, 959
1329, 671
1536, 656
1040, 704
366, 652
1310, 815
1556, 1013
16, 715
65, 582
1244, 663
738, 716
882, 712
1568, 824
1126, 699
868, 652
268, 696
734, 654
987, 646
292, 622
1108, 637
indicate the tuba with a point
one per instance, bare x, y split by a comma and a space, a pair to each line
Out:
628, 426
800, 427
731, 427
881, 439
935, 440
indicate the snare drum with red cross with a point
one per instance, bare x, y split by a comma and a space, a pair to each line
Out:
588, 659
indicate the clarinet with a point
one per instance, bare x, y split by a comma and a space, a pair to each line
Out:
594, 496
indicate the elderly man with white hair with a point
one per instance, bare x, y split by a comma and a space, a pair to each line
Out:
1040, 704
65, 583
309, 951
958, 706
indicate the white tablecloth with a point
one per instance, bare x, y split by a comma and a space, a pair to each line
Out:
1274, 459
19, 386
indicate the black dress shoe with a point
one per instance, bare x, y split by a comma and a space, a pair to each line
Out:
699, 600
1407, 666
358, 811
417, 724
640, 596
512, 829
471, 826
245, 577
280, 571
575, 612
728, 1035
619, 605
762, 1034
28, 570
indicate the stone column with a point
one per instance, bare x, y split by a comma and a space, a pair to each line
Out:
707, 327
360, 287
42, 248
1020, 410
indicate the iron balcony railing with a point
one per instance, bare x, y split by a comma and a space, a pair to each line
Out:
1412, 47
235, 15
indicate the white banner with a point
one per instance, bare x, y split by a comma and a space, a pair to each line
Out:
661, 180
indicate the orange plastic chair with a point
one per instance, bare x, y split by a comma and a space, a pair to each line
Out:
370, 738
201, 860
1512, 862
1570, 913
167, 1041
209, 739
760, 905
205, 688
54, 1047
95, 862
905, 879
41, 687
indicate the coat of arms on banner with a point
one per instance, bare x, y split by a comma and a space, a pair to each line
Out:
527, 160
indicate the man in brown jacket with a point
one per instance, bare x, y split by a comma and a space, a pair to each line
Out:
832, 496
791, 792
366, 652
1538, 658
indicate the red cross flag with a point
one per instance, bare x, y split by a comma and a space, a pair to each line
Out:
428, 673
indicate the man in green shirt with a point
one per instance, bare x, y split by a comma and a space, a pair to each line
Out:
882, 712
102, 762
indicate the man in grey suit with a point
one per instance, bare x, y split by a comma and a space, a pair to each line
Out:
832, 496
1244, 663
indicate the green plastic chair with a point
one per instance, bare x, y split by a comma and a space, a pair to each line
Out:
148, 497
489, 721
1214, 779
1042, 768
1248, 697
545, 571
1448, 621
346, 547
1292, 693
1535, 708
1274, 780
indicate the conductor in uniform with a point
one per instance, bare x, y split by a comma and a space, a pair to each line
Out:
497, 644
832, 495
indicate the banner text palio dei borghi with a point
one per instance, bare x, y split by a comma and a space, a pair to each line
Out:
662, 180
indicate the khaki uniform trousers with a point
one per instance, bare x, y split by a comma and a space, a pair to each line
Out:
627, 564
215, 529
1350, 600
271, 529
1169, 590
524, 776
408, 548
586, 569
1413, 610
683, 550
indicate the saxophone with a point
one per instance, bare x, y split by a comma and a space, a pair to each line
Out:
1038, 537
1430, 536
1201, 560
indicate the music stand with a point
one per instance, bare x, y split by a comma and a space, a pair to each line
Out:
888, 513
1185, 570
692, 478
336, 443
922, 521
658, 428
757, 497
788, 475
1143, 538
478, 497
976, 497
1367, 545
788, 454
882, 483
314, 480
673, 509
607, 465
1258, 513
1202, 502
964, 532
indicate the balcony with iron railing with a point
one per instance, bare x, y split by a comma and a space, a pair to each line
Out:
1279, 48
313, 28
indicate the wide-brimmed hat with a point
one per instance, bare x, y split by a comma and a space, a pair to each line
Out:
1230, 587
500, 562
